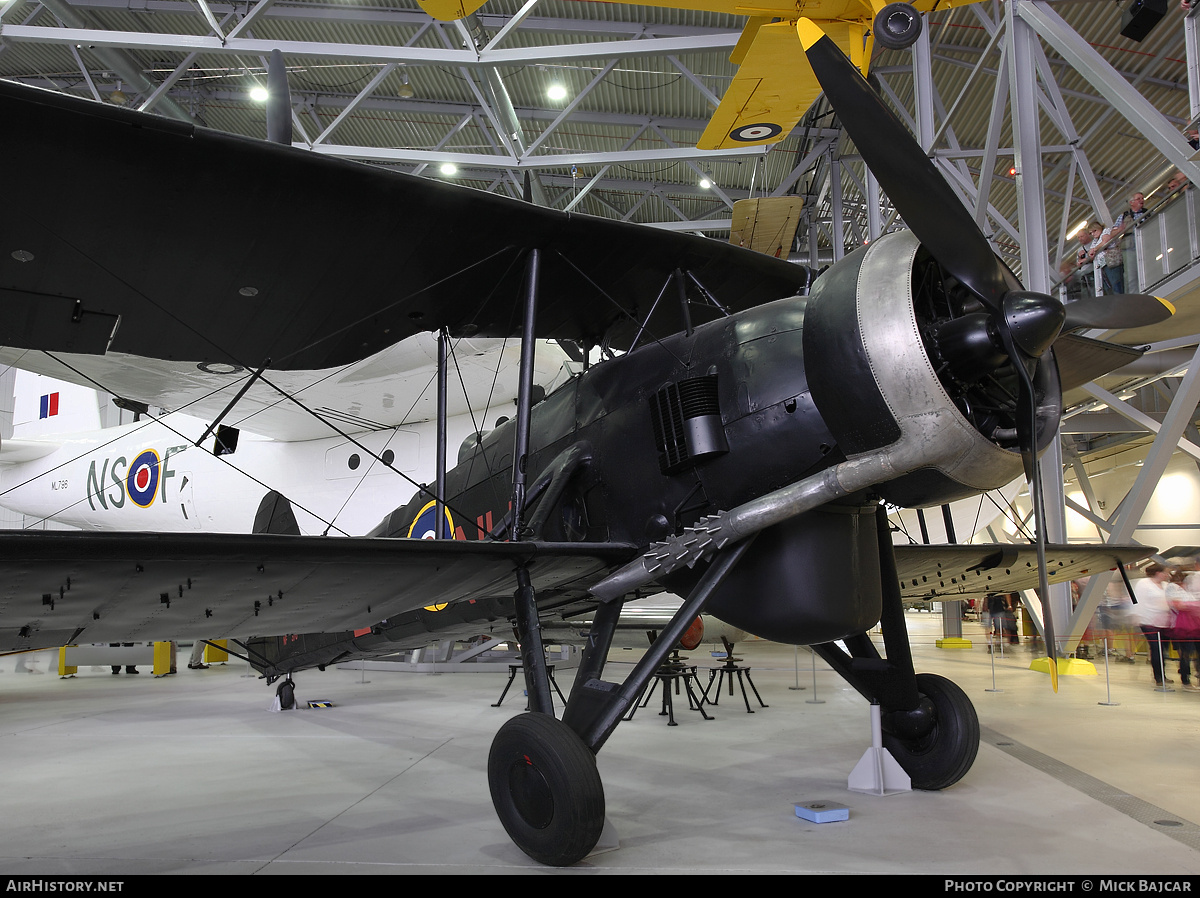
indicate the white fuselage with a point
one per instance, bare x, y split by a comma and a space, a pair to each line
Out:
149, 475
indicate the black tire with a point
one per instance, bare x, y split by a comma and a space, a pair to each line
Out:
943, 756
546, 789
287, 695
897, 26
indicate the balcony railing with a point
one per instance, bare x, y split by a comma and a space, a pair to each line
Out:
1163, 244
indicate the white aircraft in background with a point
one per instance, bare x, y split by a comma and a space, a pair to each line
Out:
355, 444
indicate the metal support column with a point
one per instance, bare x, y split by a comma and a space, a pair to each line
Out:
835, 204
923, 90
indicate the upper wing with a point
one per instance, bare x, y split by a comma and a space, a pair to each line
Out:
377, 257
68, 587
954, 572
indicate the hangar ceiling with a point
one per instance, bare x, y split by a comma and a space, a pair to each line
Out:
382, 82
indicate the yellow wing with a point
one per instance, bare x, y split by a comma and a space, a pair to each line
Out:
774, 85
766, 225
449, 10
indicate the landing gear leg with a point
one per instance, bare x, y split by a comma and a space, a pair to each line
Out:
542, 772
929, 724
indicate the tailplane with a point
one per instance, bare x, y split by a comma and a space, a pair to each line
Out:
275, 515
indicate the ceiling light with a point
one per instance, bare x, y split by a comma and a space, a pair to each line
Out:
405, 90
258, 94
448, 169
557, 92
1075, 230
705, 183
118, 97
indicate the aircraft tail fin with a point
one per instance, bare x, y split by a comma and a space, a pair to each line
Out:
275, 515
43, 406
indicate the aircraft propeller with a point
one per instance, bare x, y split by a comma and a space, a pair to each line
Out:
1013, 326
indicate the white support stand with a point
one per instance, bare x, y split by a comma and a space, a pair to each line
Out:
878, 773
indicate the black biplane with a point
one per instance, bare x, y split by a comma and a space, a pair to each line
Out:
737, 452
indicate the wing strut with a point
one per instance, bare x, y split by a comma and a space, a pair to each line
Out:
439, 520
533, 269
242, 392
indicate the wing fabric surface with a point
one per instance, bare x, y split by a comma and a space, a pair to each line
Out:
376, 257
65, 587
953, 571
774, 84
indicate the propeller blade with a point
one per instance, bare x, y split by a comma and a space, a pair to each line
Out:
1117, 310
1027, 434
920, 194
1039, 514
279, 101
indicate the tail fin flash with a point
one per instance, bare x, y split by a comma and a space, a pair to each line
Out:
43, 406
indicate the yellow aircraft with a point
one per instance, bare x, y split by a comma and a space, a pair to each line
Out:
774, 84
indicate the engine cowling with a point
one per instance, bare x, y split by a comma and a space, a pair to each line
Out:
909, 371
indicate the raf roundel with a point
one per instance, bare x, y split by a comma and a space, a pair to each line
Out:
424, 526
756, 132
142, 480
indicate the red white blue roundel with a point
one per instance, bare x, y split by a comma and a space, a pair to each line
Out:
142, 479
424, 527
756, 132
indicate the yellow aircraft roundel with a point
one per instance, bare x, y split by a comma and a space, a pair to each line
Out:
424, 527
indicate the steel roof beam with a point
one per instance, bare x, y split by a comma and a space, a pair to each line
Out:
378, 15
186, 43
120, 62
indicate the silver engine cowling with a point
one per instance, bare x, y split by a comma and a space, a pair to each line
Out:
910, 381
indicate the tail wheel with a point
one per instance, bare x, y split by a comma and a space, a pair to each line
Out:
942, 756
546, 789
897, 26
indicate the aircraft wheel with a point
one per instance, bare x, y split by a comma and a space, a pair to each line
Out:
942, 756
897, 26
287, 695
546, 789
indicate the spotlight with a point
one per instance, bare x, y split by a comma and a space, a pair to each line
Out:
405, 90
258, 94
449, 169
556, 92
1139, 16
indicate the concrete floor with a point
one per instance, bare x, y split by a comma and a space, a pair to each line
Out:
116, 775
